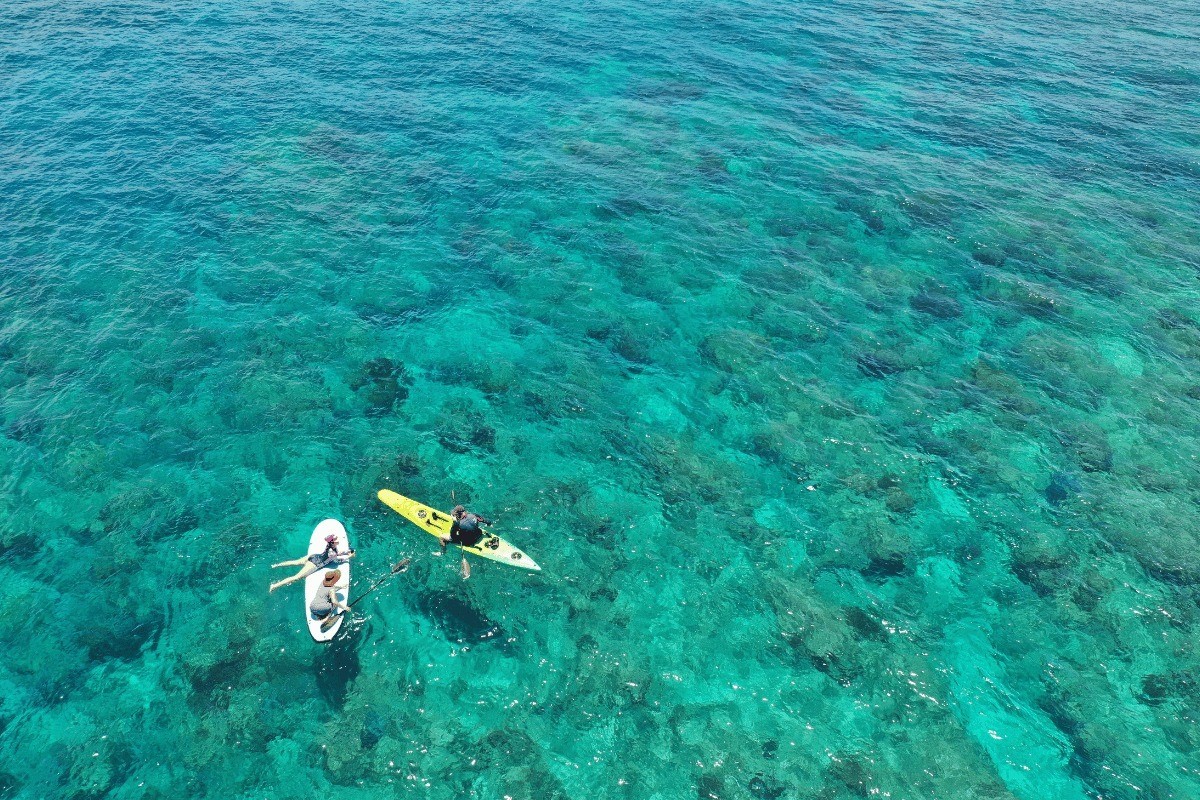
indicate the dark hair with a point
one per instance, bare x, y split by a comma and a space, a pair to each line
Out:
459, 510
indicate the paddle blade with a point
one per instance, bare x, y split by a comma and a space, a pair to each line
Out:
329, 622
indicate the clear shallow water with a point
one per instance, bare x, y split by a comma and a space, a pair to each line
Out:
841, 366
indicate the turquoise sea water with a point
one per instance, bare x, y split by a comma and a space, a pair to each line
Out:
840, 363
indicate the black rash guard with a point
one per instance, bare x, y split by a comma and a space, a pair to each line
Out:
467, 531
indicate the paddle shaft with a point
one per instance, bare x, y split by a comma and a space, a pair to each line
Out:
374, 586
396, 570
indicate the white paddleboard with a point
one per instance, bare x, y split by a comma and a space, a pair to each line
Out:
316, 546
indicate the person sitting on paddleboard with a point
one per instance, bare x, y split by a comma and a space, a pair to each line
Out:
326, 600
310, 564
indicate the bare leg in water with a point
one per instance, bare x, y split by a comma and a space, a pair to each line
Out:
306, 568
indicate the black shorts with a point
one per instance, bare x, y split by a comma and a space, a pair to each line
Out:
466, 538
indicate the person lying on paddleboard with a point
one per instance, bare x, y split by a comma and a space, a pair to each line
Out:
326, 601
465, 530
310, 564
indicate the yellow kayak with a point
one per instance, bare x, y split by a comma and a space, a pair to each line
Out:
437, 523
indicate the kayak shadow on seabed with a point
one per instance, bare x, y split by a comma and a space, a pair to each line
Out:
457, 619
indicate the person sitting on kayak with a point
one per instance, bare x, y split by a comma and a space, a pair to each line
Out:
310, 564
326, 600
465, 530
